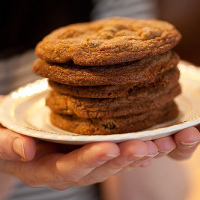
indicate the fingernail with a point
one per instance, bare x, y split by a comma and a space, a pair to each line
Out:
19, 147
134, 157
152, 155
107, 157
165, 152
189, 145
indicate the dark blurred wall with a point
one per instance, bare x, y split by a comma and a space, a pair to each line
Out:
23, 23
185, 15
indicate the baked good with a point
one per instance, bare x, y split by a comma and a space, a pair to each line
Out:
117, 125
115, 91
139, 102
111, 76
138, 71
108, 41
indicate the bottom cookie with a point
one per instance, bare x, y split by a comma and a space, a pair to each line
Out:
117, 125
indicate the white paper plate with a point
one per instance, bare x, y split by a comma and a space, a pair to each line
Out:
24, 111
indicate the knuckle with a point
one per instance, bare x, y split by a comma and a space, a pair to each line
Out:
88, 180
68, 179
125, 170
31, 183
61, 177
60, 187
115, 165
58, 178
85, 162
64, 177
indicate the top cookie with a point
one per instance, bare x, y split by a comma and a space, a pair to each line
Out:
108, 41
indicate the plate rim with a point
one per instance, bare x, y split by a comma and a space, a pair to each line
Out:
78, 138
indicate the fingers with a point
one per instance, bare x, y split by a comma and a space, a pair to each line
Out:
96, 162
84, 160
165, 145
60, 171
186, 141
145, 161
90, 164
131, 152
16, 147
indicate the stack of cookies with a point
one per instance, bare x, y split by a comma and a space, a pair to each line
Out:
111, 76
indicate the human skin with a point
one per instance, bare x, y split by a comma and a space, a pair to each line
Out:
62, 166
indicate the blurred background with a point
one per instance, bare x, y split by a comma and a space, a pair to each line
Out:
185, 16
24, 23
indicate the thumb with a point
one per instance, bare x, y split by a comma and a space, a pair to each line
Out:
14, 146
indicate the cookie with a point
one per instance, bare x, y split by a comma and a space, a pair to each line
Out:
116, 91
102, 126
124, 73
139, 102
108, 41
111, 76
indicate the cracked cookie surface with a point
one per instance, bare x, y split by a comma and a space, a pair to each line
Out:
108, 41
